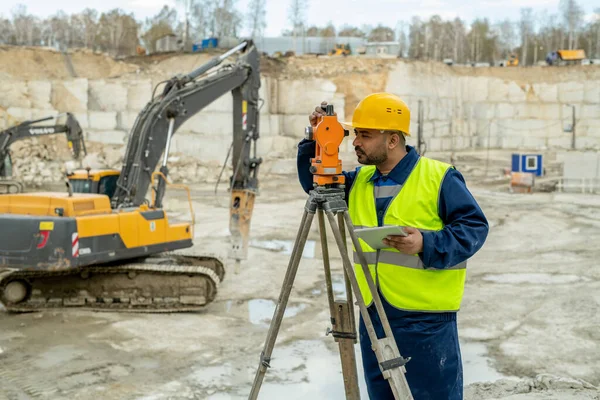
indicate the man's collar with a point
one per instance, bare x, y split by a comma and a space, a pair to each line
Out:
397, 174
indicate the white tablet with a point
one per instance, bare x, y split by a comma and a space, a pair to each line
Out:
374, 236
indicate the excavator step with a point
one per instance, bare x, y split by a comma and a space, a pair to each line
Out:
167, 282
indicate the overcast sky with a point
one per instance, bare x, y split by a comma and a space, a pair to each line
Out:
352, 12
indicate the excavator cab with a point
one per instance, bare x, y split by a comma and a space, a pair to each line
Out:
97, 181
6, 166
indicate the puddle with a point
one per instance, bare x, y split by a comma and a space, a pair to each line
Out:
337, 284
544, 279
309, 369
476, 365
285, 246
260, 311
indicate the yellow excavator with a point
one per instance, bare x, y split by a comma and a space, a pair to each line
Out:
102, 244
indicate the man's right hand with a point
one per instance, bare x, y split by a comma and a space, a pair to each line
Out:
319, 112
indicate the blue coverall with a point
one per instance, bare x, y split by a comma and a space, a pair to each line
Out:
430, 339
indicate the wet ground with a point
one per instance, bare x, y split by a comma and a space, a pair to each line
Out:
531, 307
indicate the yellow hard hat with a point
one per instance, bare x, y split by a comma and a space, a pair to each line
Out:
381, 111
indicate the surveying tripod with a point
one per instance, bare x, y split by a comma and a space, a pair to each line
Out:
327, 198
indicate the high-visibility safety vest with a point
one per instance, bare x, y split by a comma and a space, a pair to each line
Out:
402, 279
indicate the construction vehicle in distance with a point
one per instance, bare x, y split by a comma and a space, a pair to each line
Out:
565, 57
340, 50
123, 252
512, 61
30, 129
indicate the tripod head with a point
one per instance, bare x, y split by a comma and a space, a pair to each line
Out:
326, 166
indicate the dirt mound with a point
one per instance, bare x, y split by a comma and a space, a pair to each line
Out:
30, 63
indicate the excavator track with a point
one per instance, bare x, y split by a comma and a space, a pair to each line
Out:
11, 186
161, 283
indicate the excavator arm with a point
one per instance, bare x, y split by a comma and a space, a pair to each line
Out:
181, 98
29, 129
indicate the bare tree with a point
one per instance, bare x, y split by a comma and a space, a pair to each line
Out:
507, 37
573, 16
226, 19
257, 17
381, 34
526, 29
351, 31
158, 26
7, 34
297, 15
202, 23
25, 25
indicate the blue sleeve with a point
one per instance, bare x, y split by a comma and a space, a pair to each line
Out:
306, 150
465, 230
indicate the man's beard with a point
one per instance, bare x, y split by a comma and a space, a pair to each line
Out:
372, 159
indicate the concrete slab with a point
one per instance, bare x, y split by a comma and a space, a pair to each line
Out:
139, 93
71, 95
14, 94
571, 92
100, 120
107, 96
106, 136
545, 92
210, 123
40, 93
299, 96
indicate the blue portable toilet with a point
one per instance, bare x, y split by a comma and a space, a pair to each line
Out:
531, 163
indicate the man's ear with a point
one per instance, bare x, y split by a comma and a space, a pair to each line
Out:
395, 140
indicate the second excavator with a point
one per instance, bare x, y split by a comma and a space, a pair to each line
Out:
113, 249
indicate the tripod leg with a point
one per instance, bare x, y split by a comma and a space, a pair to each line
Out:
386, 350
346, 279
342, 323
286, 288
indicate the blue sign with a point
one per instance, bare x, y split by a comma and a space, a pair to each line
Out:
528, 163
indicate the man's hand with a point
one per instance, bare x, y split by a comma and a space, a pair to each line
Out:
411, 244
319, 112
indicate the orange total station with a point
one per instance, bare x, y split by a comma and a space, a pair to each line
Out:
326, 166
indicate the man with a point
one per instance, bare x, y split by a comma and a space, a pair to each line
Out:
420, 277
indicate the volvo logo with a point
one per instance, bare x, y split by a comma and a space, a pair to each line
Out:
41, 131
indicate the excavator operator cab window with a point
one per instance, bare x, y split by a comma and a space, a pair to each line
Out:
81, 185
6, 166
108, 185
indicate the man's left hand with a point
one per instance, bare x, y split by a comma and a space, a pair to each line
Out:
411, 244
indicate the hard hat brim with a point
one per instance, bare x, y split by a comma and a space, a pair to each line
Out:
351, 125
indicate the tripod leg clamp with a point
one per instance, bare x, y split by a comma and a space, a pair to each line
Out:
394, 363
265, 361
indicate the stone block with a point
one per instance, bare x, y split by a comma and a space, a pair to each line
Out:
497, 90
294, 125
478, 89
270, 125
559, 143
106, 136
592, 92
83, 120
570, 92
139, 93
14, 94
587, 143
505, 111
107, 96
534, 143
99, 120
538, 111
447, 144
16, 115
210, 123
39, 114
517, 92
546, 92
202, 147
591, 127
434, 144
299, 96
589, 111
511, 142
484, 110
125, 120
71, 95
264, 93
281, 147
40, 93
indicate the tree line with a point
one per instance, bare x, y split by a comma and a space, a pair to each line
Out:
118, 33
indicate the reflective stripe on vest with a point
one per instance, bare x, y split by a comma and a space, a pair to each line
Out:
402, 279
